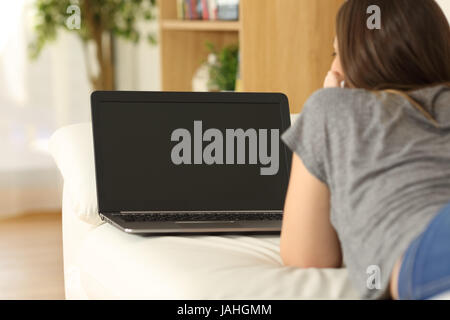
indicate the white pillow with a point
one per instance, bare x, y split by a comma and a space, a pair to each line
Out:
73, 150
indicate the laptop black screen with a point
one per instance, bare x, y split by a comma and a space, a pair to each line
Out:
139, 170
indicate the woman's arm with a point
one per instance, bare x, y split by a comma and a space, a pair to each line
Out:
308, 240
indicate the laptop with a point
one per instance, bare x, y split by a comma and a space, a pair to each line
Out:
191, 163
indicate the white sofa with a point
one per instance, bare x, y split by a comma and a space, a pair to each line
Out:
101, 262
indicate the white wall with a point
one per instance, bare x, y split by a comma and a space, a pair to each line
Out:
138, 65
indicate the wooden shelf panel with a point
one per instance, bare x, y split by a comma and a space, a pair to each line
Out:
199, 25
284, 45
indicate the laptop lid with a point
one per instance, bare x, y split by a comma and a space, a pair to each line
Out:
172, 151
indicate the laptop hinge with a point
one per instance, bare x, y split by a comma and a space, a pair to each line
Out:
204, 211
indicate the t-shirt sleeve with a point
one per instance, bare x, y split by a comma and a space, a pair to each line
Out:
307, 137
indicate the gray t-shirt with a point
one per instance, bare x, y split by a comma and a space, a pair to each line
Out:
387, 168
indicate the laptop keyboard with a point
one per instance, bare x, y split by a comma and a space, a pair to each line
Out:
138, 217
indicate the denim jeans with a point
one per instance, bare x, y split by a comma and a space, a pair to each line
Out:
425, 270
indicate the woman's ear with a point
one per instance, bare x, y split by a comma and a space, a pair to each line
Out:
336, 66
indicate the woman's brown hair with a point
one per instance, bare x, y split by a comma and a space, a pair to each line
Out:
411, 50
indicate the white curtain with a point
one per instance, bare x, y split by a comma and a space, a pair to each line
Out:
36, 98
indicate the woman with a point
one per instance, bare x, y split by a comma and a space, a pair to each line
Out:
370, 179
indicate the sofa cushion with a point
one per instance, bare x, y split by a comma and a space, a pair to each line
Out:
101, 262
117, 265
73, 151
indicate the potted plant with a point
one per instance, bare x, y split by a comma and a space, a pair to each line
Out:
223, 68
94, 21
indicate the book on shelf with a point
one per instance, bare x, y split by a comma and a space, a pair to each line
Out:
205, 9
212, 7
191, 9
208, 9
180, 9
227, 9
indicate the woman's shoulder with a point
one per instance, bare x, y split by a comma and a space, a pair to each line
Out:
340, 104
339, 98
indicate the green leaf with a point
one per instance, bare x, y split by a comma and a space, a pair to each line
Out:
118, 17
223, 74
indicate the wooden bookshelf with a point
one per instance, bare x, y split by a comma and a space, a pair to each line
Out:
199, 25
285, 45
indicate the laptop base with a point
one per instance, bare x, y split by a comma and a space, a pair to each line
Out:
194, 227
